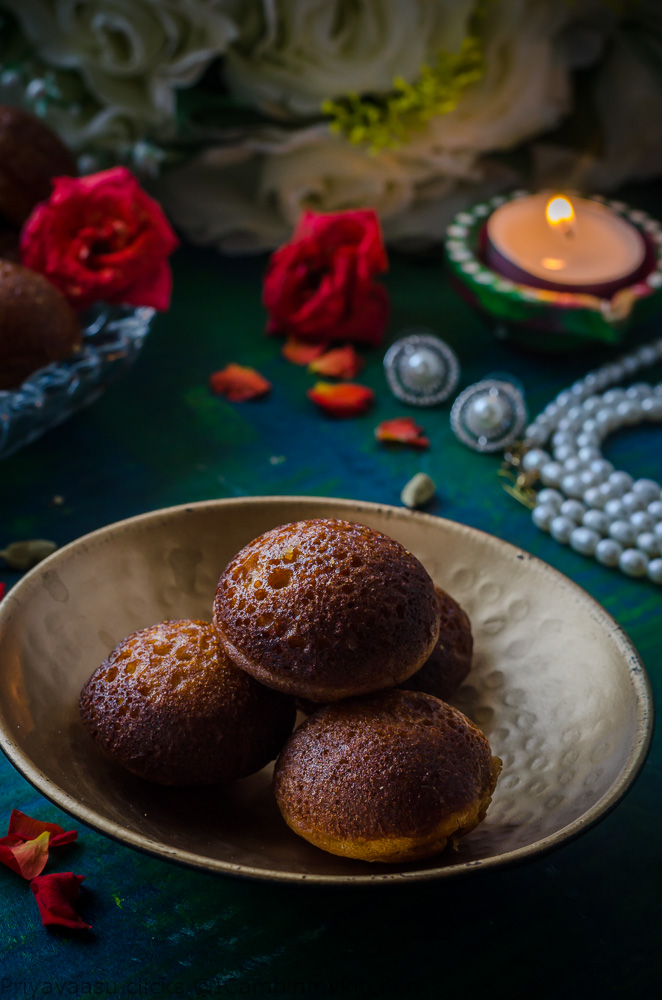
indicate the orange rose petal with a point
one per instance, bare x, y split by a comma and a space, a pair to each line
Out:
345, 400
238, 383
341, 362
301, 352
404, 430
25, 827
27, 859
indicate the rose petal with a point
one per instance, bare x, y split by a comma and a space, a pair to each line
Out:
301, 352
238, 383
26, 828
345, 400
404, 430
26, 858
2, 590
55, 894
341, 362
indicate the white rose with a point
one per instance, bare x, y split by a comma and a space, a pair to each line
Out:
525, 89
294, 54
626, 99
247, 196
133, 54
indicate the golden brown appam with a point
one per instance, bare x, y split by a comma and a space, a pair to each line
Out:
325, 609
387, 777
168, 705
450, 660
448, 664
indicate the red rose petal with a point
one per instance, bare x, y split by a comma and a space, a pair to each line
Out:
301, 352
55, 894
404, 430
26, 858
345, 400
238, 383
26, 828
2, 590
341, 362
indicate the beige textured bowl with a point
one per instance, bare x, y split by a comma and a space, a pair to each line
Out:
556, 686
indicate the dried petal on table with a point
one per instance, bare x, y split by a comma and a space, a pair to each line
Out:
26, 858
56, 894
341, 362
239, 383
25, 847
301, 352
345, 400
403, 430
25, 828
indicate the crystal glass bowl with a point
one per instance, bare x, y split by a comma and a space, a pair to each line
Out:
112, 339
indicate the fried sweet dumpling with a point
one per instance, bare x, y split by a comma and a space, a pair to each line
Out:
169, 706
450, 660
326, 609
387, 777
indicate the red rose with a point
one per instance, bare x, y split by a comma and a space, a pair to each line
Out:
320, 285
101, 238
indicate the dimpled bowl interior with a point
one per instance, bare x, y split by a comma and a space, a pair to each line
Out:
556, 686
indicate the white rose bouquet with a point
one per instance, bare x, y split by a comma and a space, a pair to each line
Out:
242, 113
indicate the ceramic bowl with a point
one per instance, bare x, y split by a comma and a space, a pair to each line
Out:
556, 686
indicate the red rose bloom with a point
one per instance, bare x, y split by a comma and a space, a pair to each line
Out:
320, 286
101, 238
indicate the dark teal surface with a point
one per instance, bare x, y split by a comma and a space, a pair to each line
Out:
587, 917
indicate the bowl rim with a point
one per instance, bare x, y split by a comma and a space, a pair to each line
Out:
612, 797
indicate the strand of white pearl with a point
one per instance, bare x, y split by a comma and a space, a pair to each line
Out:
595, 508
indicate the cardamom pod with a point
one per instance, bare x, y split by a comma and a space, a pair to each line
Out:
25, 555
418, 491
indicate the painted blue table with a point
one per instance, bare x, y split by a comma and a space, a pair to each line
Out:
587, 916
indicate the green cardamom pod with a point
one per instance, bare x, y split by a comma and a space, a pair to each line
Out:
25, 555
418, 490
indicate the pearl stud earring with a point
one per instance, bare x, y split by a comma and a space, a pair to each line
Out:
420, 368
489, 415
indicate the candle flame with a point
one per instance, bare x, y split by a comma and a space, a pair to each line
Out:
560, 213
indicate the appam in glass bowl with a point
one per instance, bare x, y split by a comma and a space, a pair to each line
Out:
556, 686
112, 338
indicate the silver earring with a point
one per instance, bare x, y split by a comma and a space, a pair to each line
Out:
489, 415
420, 368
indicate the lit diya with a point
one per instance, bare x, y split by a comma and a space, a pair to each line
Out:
557, 270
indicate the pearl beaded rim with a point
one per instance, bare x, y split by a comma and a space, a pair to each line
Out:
587, 503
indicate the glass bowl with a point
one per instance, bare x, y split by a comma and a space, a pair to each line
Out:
112, 339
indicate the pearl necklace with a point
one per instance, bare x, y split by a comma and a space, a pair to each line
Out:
598, 510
